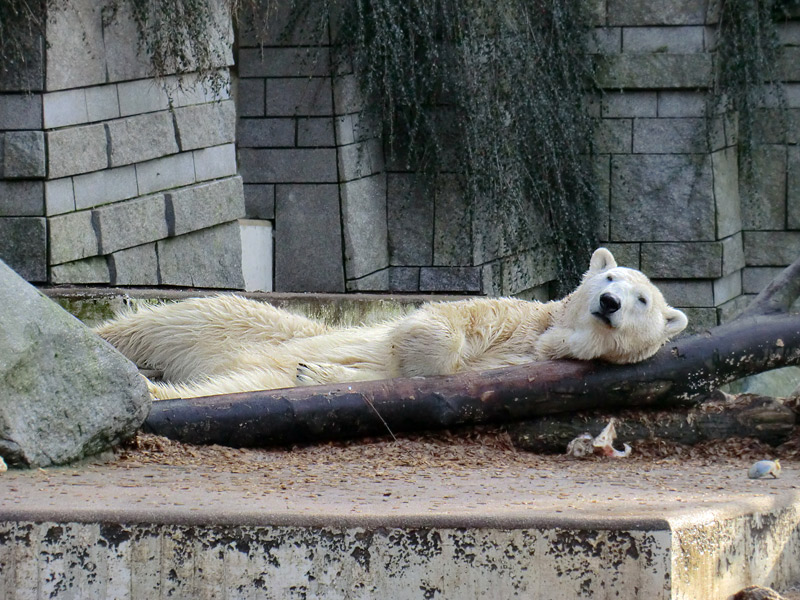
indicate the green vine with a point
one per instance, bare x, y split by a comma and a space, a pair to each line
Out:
21, 23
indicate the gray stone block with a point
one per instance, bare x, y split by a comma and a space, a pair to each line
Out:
771, 248
755, 279
24, 155
681, 103
65, 108
76, 150
165, 173
20, 111
142, 96
206, 205
601, 177
726, 191
669, 136
645, 12
361, 159
686, 292
793, 187
23, 246
259, 201
89, 270
284, 27
630, 104
727, 288
682, 261
452, 239
135, 266
661, 197
25, 75
141, 138
364, 212
214, 162
374, 282
789, 64
75, 59
265, 133
450, 279
613, 136
404, 279
306, 165
72, 237
131, 223
203, 125
251, 97
315, 132
104, 187
21, 198
700, 319
732, 308
764, 198
410, 209
733, 254
189, 89
59, 196
673, 40
102, 103
125, 60
627, 255
284, 62
307, 97
527, 270
637, 71
347, 97
308, 239
604, 40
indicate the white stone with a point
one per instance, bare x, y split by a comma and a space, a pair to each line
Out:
76, 56
59, 196
104, 187
64, 108
102, 102
256, 254
141, 96
165, 173
215, 162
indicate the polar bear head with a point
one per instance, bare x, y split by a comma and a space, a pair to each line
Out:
616, 314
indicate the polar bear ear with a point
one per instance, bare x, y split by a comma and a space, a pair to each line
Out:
602, 260
676, 321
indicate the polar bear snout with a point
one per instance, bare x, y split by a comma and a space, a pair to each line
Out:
609, 303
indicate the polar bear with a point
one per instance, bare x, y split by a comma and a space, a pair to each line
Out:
227, 344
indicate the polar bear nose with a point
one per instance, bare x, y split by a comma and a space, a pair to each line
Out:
609, 303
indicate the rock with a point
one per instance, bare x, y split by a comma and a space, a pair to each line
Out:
756, 592
67, 394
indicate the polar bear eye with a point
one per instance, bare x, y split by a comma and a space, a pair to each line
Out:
609, 277
643, 300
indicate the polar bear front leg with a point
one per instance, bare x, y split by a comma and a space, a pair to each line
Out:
425, 344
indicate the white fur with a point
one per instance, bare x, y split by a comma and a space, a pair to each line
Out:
226, 344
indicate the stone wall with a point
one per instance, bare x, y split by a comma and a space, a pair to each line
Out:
109, 176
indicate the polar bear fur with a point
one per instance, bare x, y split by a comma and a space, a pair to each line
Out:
227, 344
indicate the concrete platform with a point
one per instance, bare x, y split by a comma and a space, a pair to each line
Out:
396, 519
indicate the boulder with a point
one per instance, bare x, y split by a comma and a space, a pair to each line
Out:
64, 393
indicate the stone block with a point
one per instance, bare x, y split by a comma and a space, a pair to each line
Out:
613, 136
251, 97
135, 266
76, 55
259, 200
727, 288
102, 103
203, 125
205, 205
527, 270
20, 111
256, 255
681, 104
209, 258
142, 96
793, 187
284, 27
140, 138
682, 261
284, 62
672, 40
755, 279
452, 239
686, 292
165, 173
661, 197
771, 248
732, 308
700, 319
191, 88
726, 191
410, 210
308, 239
450, 279
347, 97
604, 40
89, 270
630, 104
789, 63
627, 255
131, 223
24, 155
302, 165
361, 159
645, 12
265, 133
26, 74
307, 97
404, 279
364, 210
215, 162
59, 196
124, 58
76, 150
72, 236
23, 246
21, 198
601, 178
315, 132
669, 136
374, 282
637, 71
733, 254
65, 108
104, 187
764, 198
